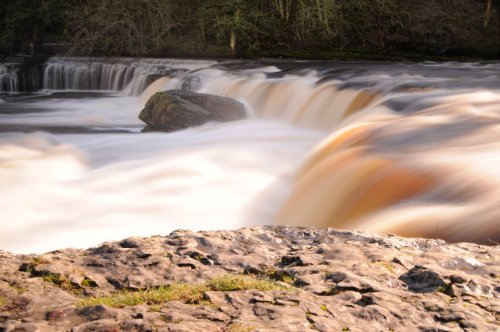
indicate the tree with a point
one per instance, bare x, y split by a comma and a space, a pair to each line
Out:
117, 27
26, 24
229, 20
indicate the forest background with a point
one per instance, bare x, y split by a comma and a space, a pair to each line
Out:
316, 29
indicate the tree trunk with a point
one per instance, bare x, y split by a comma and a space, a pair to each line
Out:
488, 13
232, 41
283, 7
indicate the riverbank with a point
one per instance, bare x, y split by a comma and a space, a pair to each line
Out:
309, 54
264, 278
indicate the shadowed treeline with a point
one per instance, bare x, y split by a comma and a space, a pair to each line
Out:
303, 28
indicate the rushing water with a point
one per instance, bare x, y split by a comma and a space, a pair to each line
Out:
402, 148
8, 79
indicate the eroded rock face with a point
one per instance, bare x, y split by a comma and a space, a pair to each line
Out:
342, 281
178, 109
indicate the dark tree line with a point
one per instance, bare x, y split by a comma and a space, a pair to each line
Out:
250, 27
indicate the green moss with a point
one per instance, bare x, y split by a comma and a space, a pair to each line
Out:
346, 328
235, 282
274, 274
38, 261
388, 266
87, 282
155, 308
237, 327
176, 292
18, 289
187, 293
444, 288
53, 278
62, 282
287, 279
323, 307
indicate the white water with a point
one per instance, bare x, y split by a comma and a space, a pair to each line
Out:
110, 74
8, 79
78, 190
315, 153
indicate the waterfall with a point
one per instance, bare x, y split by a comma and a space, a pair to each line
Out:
409, 154
130, 75
111, 74
410, 149
9, 81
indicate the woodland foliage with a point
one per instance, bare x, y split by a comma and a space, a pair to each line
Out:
250, 27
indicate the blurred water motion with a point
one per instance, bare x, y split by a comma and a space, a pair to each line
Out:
411, 149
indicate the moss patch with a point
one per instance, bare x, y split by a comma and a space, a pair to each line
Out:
230, 282
187, 293
237, 327
18, 288
3, 301
87, 282
388, 266
28, 267
62, 282
273, 273
445, 289
176, 292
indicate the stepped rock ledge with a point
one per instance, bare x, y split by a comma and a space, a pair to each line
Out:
264, 278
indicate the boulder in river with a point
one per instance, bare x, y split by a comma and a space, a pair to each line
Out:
175, 109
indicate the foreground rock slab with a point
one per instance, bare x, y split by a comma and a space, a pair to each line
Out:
324, 280
178, 109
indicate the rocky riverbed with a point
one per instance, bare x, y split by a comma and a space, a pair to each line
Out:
267, 278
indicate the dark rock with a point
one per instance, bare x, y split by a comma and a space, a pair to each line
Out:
422, 280
135, 325
176, 109
103, 325
455, 279
310, 259
97, 312
365, 300
129, 243
54, 315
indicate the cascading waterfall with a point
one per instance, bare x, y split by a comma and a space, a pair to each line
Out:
433, 174
129, 75
319, 105
382, 169
9, 81
118, 74
400, 148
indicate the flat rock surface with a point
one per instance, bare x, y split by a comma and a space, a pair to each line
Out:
332, 281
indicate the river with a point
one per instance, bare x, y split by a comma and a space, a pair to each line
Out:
405, 148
